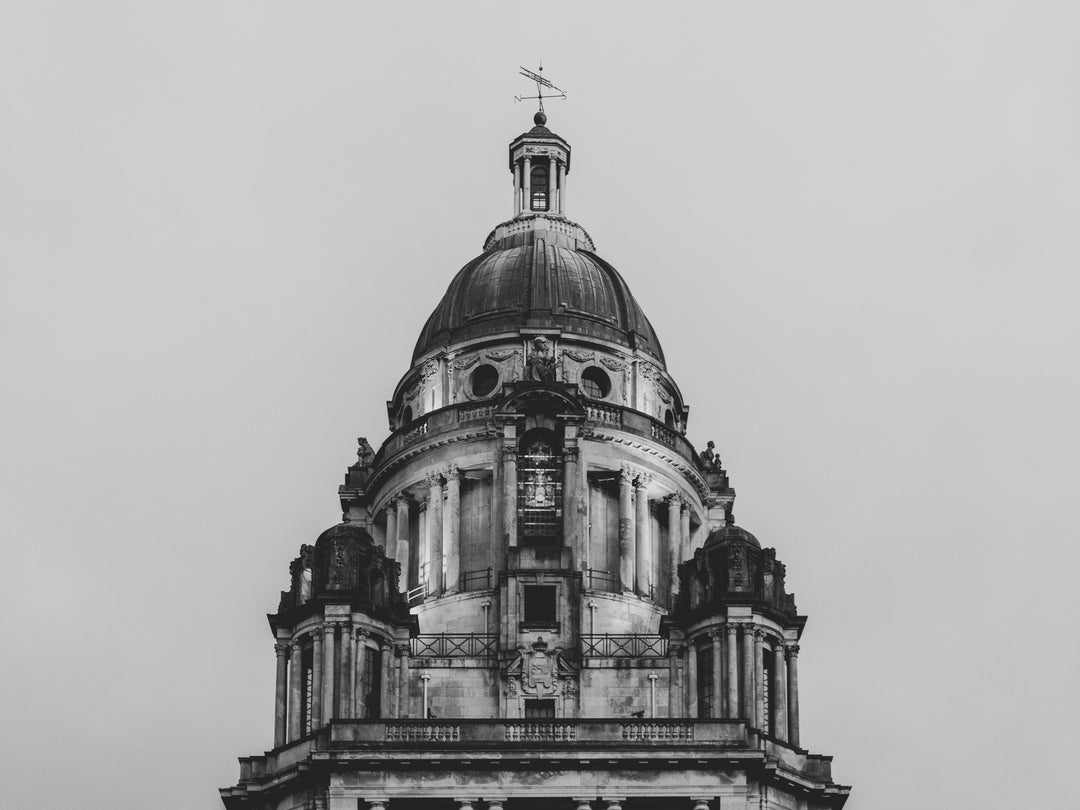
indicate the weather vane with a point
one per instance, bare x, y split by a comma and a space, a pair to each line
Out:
541, 83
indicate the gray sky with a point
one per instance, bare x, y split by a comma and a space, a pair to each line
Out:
854, 228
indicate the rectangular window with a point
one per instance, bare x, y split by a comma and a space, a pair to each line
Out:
540, 497
371, 684
540, 604
539, 709
704, 681
766, 673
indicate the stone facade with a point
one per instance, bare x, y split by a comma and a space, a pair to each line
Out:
537, 593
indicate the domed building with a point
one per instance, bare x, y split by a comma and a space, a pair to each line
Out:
537, 595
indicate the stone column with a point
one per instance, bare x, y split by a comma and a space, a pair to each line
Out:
691, 679
424, 707
562, 187
731, 707
571, 517
281, 694
422, 539
359, 651
553, 175
384, 677
316, 678
495, 804
652, 695
673, 680
778, 692
517, 189
674, 508
346, 672
510, 484
466, 804
453, 530
760, 708
642, 546
403, 680
793, 693
717, 668
391, 526
626, 530
295, 687
329, 629
401, 546
684, 527
526, 182
701, 802
435, 535
377, 803
613, 803
749, 695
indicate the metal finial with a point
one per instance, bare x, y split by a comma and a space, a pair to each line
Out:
541, 83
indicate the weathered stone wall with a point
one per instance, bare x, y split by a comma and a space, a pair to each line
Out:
616, 687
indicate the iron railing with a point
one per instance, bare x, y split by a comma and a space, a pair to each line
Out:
478, 580
598, 580
416, 595
454, 645
624, 645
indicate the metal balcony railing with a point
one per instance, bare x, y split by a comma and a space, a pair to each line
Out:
478, 580
454, 645
598, 580
624, 645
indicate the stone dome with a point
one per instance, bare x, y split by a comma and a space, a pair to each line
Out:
539, 280
731, 532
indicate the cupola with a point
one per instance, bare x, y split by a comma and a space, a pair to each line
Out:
539, 161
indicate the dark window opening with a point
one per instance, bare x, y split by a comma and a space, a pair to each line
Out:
539, 709
371, 684
595, 383
669, 419
540, 604
406, 415
484, 379
538, 187
704, 682
540, 495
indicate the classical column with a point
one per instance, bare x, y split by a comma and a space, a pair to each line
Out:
717, 668
749, 695
509, 510
453, 530
384, 677
495, 804
435, 535
613, 803
571, 517
391, 527
731, 707
526, 182
701, 802
760, 709
377, 803
401, 546
295, 686
562, 187
346, 672
281, 694
684, 526
421, 539
626, 529
466, 804
517, 189
359, 650
642, 549
403, 680
552, 179
793, 693
674, 507
316, 678
673, 680
652, 695
328, 672
691, 680
778, 692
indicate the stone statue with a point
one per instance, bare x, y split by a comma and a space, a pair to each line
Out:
708, 455
365, 455
540, 367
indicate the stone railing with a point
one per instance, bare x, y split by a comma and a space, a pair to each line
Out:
494, 734
604, 414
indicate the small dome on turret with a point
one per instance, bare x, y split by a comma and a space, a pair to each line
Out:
730, 533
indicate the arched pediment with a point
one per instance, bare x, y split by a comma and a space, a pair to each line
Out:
534, 397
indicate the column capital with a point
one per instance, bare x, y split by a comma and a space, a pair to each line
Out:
509, 452
451, 473
425, 677
377, 802
643, 480
626, 474
716, 634
759, 634
316, 635
422, 503
281, 649
434, 479
653, 676
580, 803
402, 649
676, 500
496, 804
732, 628
360, 633
792, 650
701, 802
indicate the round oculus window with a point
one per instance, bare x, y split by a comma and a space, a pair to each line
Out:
483, 380
595, 383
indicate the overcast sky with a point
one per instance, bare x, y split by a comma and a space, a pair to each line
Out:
854, 228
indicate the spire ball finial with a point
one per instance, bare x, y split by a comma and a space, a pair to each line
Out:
540, 118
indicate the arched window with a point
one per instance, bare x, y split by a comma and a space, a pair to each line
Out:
378, 588
538, 185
